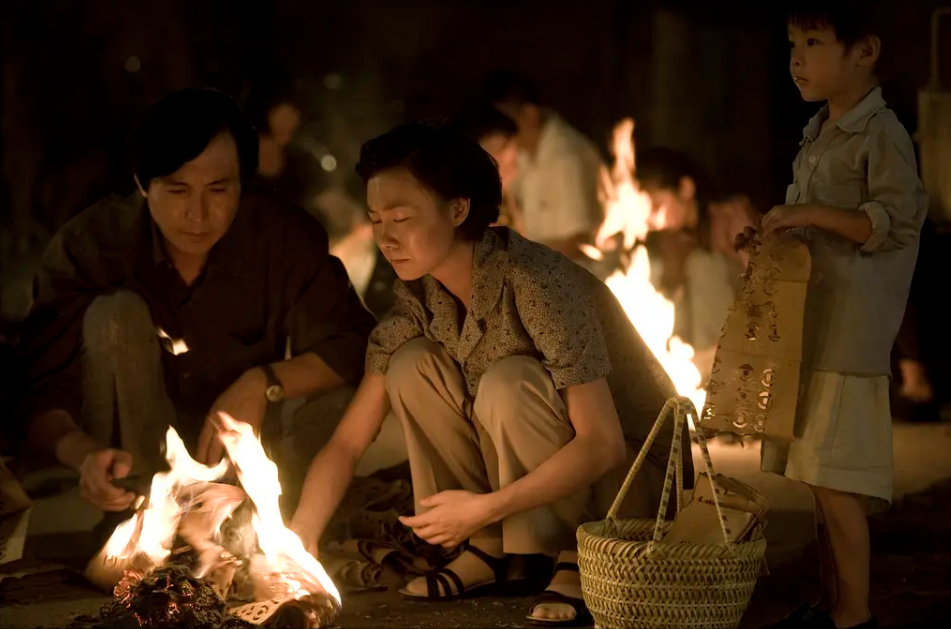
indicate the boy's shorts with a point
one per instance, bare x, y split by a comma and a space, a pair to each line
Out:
843, 438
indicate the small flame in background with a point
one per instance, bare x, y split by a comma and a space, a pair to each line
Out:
628, 212
292, 571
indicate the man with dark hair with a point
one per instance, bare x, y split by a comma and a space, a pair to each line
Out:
179, 301
559, 170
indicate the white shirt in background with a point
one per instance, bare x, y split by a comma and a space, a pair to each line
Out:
558, 187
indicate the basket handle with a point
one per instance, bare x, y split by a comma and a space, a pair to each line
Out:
682, 407
674, 461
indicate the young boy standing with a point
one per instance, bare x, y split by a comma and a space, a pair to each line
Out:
857, 201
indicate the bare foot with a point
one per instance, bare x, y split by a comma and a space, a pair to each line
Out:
472, 571
565, 582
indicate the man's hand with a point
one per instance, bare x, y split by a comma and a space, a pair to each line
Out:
96, 473
452, 518
788, 217
245, 401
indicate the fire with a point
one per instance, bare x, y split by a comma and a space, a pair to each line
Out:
297, 569
186, 502
158, 524
628, 212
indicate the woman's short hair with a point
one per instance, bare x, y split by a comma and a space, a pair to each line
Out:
446, 161
180, 127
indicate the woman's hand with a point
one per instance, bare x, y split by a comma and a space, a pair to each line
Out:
452, 518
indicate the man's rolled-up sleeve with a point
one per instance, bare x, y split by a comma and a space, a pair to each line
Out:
325, 313
897, 203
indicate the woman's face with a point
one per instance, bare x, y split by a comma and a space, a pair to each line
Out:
414, 229
672, 209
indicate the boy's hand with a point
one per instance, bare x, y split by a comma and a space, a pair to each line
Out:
787, 217
742, 240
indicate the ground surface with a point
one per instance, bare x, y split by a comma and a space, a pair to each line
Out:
912, 560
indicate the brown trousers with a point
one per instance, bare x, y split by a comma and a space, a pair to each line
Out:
515, 423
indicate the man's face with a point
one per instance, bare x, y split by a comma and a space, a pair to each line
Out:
528, 117
283, 122
504, 150
818, 62
194, 206
671, 210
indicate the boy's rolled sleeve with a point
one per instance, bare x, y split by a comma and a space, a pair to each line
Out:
897, 202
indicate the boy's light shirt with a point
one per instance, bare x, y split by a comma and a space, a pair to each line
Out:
865, 162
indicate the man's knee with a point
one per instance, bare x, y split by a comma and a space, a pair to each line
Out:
117, 320
413, 363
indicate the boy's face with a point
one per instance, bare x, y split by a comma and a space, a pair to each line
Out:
820, 65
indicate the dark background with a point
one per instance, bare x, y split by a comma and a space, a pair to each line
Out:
707, 77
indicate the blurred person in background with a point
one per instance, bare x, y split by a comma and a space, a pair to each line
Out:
559, 183
497, 133
692, 241
921, 367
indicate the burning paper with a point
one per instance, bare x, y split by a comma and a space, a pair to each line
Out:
257, 568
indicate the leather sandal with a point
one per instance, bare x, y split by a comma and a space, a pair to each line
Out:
439, 582
582, 617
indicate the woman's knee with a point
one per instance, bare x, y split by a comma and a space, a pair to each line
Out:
416, 359
509, 384
117, 320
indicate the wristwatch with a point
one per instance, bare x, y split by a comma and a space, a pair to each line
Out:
275, 390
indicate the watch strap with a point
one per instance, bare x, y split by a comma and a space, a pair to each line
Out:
271, 375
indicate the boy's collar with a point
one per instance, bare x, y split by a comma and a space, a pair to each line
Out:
852, 121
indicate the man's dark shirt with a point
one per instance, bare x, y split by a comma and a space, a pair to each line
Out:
269, 278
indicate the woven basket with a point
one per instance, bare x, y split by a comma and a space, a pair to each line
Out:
632, 580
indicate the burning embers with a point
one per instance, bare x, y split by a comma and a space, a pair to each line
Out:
203, 553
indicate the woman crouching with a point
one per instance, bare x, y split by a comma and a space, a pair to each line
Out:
523, 390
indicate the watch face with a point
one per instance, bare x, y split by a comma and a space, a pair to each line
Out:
275, 393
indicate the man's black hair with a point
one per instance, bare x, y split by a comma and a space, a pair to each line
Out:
664, 168
446, 161
509, 88
481, 122
179, 128
850, 20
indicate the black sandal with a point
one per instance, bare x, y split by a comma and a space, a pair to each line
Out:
438, 588
582, 617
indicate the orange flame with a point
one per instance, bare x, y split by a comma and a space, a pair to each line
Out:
289, 568
159, 521
628, 212
290, 562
